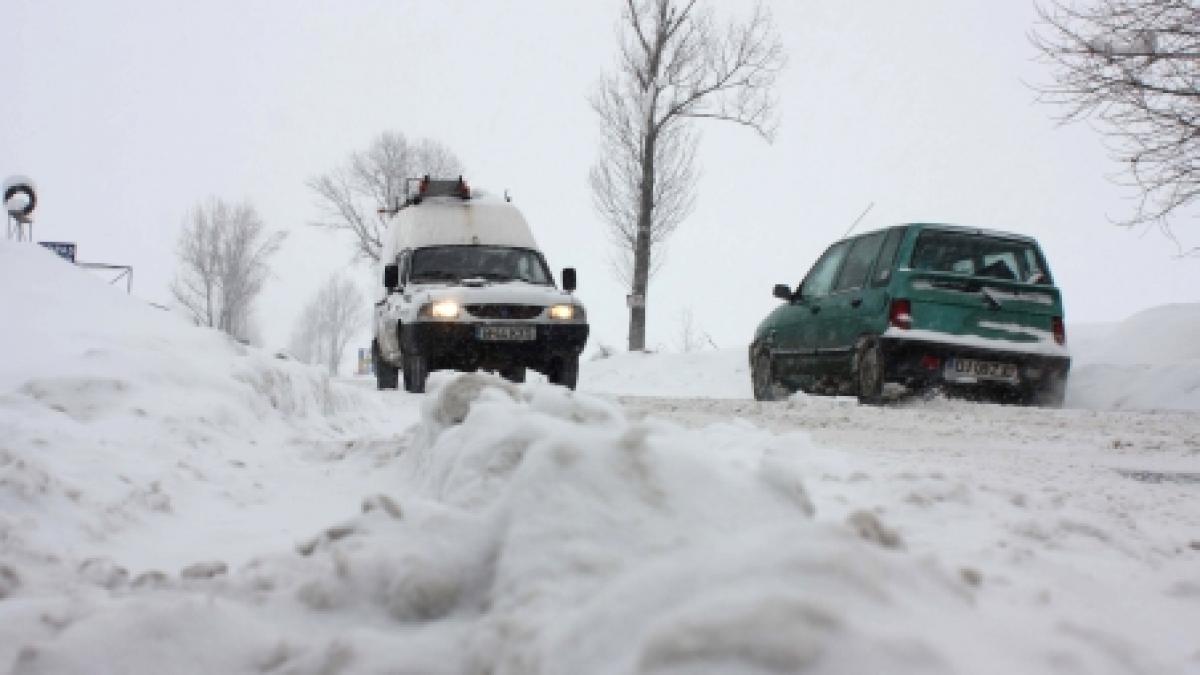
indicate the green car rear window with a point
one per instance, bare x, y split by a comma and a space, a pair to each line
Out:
979, 255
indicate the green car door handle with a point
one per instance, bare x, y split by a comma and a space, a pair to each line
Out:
856, 302
815, 308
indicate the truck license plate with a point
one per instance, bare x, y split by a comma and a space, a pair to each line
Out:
506, 333
971, 370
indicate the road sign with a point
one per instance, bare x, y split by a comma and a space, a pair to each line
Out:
64, 249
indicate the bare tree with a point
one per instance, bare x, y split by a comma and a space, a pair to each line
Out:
1134, 66
223, 254
328, 323
689, 335
676, 65
350, 196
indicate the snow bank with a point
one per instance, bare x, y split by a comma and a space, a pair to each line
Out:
76, 343
542, 531
1150, 361
114, 413
706, 374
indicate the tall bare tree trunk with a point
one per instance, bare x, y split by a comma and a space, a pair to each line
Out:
676, 65
641, 253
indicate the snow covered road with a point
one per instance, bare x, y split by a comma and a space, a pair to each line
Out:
173, 502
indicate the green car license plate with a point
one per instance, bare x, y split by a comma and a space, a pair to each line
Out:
972, 370
506, 333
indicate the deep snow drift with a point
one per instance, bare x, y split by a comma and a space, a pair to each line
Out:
171, 501
1150, 361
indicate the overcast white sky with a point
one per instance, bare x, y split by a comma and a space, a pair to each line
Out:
126, 113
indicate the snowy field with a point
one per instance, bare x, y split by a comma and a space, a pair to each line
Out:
174, 502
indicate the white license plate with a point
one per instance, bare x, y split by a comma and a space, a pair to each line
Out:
973, 370
506, 333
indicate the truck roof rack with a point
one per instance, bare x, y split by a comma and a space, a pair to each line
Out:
417, 189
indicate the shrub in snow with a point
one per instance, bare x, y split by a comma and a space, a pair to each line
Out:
9, 581
603, 351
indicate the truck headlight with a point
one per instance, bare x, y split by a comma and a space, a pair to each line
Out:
563, 312
444, 309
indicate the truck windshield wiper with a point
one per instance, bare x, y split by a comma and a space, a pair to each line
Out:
435, 275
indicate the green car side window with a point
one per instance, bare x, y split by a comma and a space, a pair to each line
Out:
858, 261
887, 257
820, 278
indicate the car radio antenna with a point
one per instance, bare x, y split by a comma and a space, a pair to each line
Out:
858, 220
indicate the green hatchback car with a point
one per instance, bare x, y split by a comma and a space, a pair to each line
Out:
918, 305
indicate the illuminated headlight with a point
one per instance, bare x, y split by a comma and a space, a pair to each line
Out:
444, 309
563, 312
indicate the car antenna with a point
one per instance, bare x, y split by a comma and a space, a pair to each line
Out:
858, 220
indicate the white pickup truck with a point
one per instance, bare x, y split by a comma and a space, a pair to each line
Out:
465, 287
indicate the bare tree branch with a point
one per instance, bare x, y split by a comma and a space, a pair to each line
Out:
349, 197
1132, 66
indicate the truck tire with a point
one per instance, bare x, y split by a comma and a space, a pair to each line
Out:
386, 375
416, 371
514, 374
565, 371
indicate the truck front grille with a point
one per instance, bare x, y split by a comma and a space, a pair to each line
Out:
504, 311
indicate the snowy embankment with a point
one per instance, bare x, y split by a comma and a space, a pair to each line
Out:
1150, 361
129, 438
530, 530
173, 502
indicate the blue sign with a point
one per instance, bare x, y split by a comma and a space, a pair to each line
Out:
64, 249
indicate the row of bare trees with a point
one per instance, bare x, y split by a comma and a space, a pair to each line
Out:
223, 252
677, 65
224, 249
1131, 65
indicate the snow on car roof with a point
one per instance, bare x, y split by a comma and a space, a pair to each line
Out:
966, 229
442, 221
973, 230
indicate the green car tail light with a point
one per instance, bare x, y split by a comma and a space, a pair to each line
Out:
900, 313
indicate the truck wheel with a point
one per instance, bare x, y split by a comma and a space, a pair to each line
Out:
565, 372
386, 375
515, 374
762, 375
868, 371
416, 371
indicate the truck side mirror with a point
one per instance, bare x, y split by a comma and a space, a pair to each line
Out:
782, 292
391, 276
568, 279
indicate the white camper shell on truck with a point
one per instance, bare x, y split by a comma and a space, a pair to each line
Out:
465, 287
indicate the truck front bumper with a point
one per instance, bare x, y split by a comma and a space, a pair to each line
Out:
457, 344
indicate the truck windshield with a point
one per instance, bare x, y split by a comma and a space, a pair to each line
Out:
494, 263
980, 256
